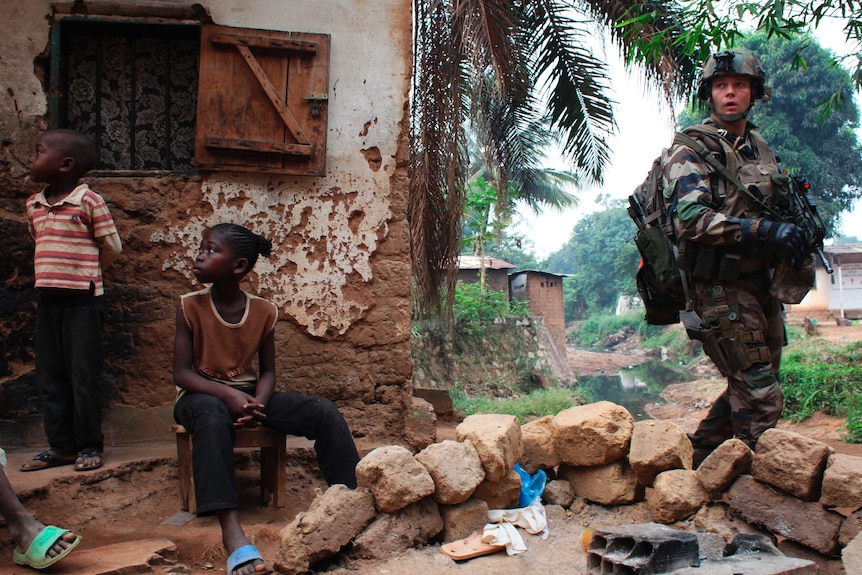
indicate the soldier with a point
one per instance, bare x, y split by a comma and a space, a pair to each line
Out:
727, 249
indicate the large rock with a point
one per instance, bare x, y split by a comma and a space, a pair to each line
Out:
538, 439
420, 426
727, 462
461, 520
558, 492
502, 494
592, 435
391, 534
791, 462
332, 521
497, 439
852, 556
455, 468
716, 517
658, 446
804, 522
394, 478
851, 527
842, 481
675, 495
611, 484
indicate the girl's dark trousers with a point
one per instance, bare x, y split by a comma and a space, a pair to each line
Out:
208, 420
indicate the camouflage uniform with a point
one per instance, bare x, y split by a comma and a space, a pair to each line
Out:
729, 280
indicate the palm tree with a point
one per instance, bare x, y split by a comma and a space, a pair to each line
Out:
485, 65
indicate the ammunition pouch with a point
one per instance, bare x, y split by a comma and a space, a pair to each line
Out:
730, 348
714, 263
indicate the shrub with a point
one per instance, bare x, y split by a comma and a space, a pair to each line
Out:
526, 408
817, 375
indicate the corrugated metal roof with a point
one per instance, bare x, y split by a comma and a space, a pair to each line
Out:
539, 272
473, 263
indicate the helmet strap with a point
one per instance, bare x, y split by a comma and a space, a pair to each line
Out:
730, 118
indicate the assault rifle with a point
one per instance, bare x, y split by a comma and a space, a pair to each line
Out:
803, 213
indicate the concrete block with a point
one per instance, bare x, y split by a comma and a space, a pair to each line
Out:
641, 549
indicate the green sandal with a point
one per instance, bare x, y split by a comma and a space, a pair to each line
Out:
37, 554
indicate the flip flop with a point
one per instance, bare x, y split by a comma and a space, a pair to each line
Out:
47, 459
37, 554
88, 454
469, 547
242, 556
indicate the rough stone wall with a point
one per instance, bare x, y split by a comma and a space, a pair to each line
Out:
508, 359
339, 272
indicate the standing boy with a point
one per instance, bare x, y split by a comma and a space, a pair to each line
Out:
75, 241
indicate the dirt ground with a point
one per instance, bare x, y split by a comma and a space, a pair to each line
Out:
132, 499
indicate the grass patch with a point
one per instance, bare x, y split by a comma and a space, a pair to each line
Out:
526, 408
817, 375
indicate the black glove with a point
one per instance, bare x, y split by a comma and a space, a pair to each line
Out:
785, 238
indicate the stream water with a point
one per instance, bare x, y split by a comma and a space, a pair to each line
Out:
634, 388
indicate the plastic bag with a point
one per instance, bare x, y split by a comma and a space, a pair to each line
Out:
532, 486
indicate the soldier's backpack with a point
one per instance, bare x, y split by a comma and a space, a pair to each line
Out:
660, 283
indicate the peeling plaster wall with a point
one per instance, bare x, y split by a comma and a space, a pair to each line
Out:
339, 271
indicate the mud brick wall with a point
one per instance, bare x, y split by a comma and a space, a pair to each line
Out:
340, 270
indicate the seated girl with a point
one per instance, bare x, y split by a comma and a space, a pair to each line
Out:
221, 330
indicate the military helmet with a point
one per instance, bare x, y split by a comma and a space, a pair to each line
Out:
736, 61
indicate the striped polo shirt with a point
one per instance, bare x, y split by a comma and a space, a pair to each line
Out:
67, 252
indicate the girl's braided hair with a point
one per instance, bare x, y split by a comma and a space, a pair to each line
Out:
244, 243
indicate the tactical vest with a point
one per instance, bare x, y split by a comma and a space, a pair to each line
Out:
754, 165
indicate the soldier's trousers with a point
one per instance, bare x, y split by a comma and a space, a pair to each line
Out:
752, 401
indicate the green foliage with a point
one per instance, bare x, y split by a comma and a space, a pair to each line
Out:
672, 337
526, 408
517, 251
817, 375
823, 146
476, 307
592, 332
602, 262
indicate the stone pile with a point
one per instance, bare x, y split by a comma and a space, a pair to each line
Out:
793, 486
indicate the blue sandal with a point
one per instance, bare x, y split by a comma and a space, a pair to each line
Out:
243, 556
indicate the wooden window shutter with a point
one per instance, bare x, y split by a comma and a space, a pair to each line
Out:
262, 101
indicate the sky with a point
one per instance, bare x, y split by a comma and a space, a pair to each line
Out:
644, 128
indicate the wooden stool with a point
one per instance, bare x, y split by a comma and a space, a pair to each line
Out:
273, 475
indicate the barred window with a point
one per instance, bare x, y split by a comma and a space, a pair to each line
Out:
131, 88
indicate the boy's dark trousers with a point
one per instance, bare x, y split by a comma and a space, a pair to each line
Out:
207, 418
69, 360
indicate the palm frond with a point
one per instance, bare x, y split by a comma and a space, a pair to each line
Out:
660, 37
578, 82
437, 154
